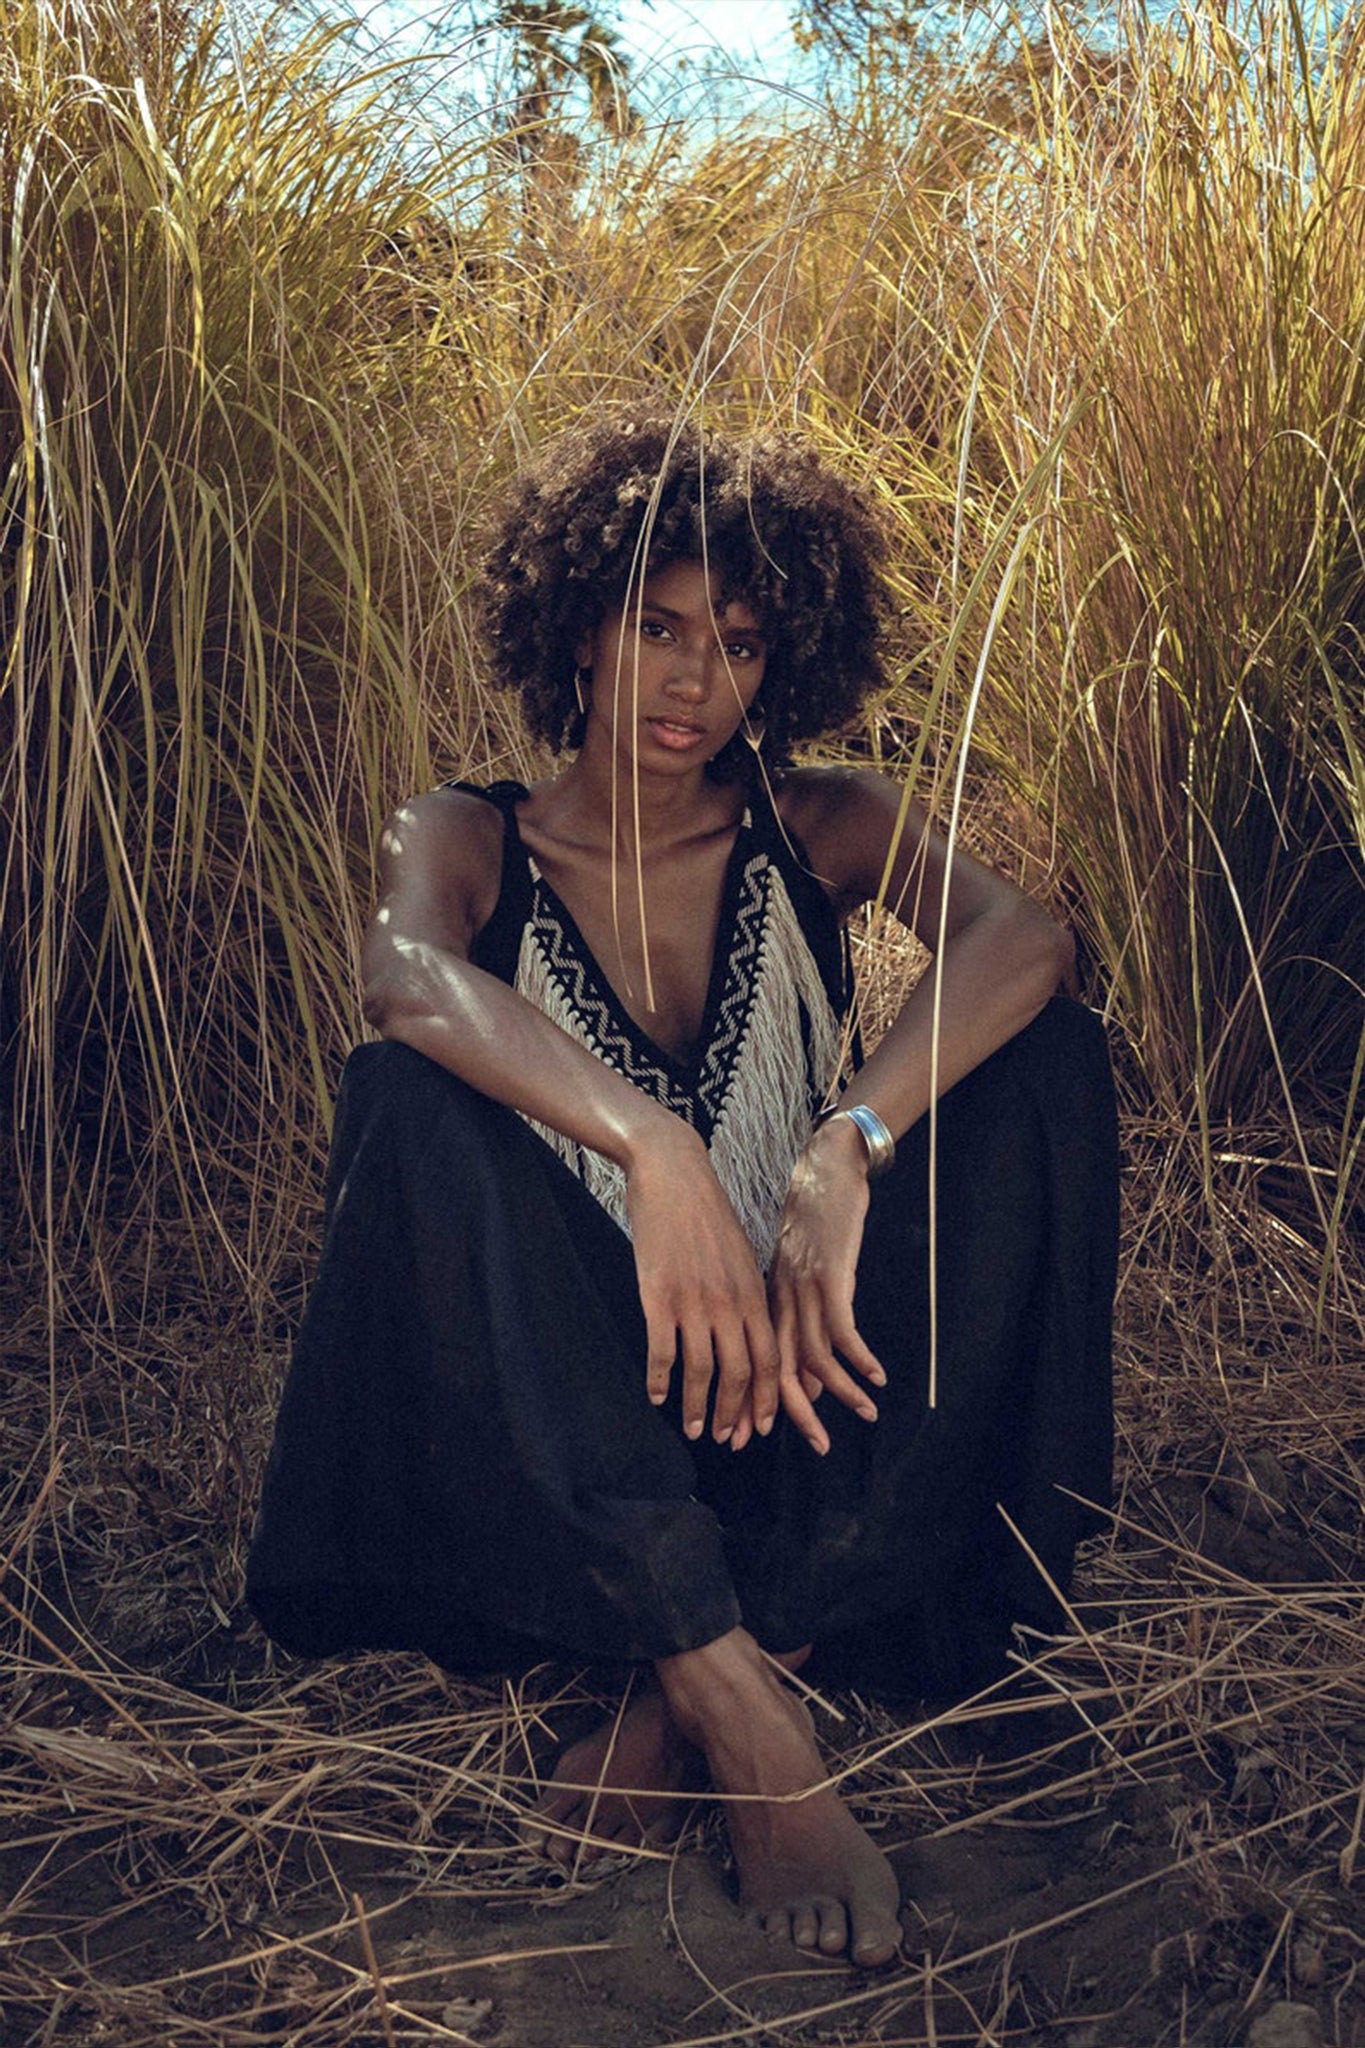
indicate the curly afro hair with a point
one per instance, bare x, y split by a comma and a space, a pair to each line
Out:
625, 494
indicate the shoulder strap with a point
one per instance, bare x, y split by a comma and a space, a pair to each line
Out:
506, 795
497, 946
820, 925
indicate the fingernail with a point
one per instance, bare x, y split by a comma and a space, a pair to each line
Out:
723, 1436
868, 1412
765, 1428
694, 1429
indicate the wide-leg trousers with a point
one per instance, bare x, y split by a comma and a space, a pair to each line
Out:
465, 1462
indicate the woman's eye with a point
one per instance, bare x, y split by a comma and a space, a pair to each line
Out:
741, 650
653, 629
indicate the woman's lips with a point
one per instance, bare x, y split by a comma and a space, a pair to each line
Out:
676, 734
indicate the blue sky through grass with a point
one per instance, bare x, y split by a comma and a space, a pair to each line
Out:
746, 33
737, 53
673, 31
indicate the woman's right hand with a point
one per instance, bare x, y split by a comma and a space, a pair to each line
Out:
701, 1291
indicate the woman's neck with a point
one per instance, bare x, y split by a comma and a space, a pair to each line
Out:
611, 807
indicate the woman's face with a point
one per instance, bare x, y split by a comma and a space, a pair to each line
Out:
674, 669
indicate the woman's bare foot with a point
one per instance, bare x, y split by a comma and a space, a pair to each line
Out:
807, 1870
625, 1786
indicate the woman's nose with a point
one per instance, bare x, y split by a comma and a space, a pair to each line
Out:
689, 673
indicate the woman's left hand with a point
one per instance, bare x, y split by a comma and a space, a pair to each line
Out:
811, 1282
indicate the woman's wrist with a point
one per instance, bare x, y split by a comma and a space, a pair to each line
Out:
837, 1142
657, 1133
861, 1128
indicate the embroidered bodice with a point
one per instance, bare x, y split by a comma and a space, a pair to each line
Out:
772, 1035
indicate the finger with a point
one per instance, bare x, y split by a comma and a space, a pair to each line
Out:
847, 1341
802, 1416
844, 1388
661, 1338
814, 1386
818, 1357
698, 1366
744, 1425
786, 1336
765, 1360
733, 1380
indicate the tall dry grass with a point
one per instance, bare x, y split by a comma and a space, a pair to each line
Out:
1089, 324
227, 595
1174, 682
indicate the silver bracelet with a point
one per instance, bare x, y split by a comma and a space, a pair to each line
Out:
881, 1146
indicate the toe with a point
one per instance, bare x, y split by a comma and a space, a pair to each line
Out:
872, 1946
805, 1925
777, 1926
562, 1810
833, 1927
570, 1846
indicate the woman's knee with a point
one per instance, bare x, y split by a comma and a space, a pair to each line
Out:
398, 1111
1064, 1030
1057, 1063
389, 1080
991, 1125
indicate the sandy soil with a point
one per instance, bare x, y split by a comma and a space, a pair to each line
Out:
1096, 1888
1155, 1840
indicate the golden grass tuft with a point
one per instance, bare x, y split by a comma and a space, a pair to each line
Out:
1195, 1735
224, 601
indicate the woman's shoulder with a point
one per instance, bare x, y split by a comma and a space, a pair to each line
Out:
452, 814
811, 796
847, 818
447, 845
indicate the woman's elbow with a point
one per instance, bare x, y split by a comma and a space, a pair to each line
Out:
1060, 967
386, 991
1042, 954
375, 1009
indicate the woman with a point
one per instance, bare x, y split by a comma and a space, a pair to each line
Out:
618, 1350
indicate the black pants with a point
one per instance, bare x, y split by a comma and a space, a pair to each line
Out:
466, 1463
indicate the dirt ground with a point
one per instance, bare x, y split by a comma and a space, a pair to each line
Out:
1103, 1886
1005, 1940
1150, 1835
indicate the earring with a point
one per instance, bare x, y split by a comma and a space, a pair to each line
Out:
755, 725
582, 679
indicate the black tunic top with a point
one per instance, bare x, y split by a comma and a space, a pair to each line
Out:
772, 1040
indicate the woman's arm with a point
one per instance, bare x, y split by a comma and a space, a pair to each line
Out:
998, 959
440, 861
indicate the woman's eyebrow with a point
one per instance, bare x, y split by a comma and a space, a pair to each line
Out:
665, 611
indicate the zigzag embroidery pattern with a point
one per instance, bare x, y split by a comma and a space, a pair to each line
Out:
741, 986
599, 1030
622, 1047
